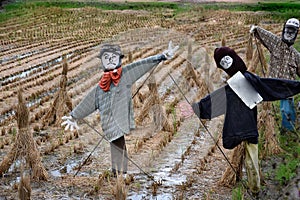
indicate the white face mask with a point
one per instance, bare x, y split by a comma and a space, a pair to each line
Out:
289, 34
110, 60
226, 62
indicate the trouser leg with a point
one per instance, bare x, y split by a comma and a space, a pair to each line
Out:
288, 114
252, 167
119, 157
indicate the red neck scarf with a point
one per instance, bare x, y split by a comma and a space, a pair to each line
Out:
108, 77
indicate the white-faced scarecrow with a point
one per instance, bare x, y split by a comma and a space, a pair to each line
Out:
112, 97
237, 100
284, 62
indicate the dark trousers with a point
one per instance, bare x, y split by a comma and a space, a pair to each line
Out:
288, 114
119, 158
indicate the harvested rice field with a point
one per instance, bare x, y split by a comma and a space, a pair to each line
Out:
48, 63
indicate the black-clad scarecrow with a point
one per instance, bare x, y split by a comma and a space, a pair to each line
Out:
237, 101
112, 97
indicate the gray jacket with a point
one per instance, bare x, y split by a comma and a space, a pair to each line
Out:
115, 105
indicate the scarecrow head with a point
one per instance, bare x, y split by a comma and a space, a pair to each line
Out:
228, 60
290, 31
111, 57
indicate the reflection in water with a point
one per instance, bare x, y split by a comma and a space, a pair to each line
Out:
168, 158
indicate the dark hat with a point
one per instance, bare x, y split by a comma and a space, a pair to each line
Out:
237, 65
111, 48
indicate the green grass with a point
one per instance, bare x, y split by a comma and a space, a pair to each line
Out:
238, 192
22, 8
279, 9
297, 43
289, 142
102, 5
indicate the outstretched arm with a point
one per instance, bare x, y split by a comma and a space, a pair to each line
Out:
83, 109
267, 38
211, 106
86, 106
137, 69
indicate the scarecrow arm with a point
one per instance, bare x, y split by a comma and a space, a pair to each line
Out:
211, 106
267, 38
137, 69
86, 106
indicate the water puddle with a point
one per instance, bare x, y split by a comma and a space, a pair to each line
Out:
38, 69
168, 158
21, 56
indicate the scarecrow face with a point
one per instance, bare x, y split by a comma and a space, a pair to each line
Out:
290, 31
289, 34
110, 60
226, 62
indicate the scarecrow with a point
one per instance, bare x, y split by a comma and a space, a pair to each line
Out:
112, 97
284, 62
237, 101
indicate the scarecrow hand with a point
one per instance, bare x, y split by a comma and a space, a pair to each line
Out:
186, 109
252, 29
70, 123
169, 53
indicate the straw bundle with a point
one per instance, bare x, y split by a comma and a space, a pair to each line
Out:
190, 73
249, 49
223, 43
265, 122
119, 190
24, 189
254, 62
262, 59
24, 146
62, 103
152, 105
229, 178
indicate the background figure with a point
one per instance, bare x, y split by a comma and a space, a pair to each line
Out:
112, 97
238, 101
284, 62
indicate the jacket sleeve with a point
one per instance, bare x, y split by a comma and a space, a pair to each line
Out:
86, 106
272, 89
211, 106
268, 39
137, 69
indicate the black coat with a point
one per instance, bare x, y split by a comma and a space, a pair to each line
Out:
240, 122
